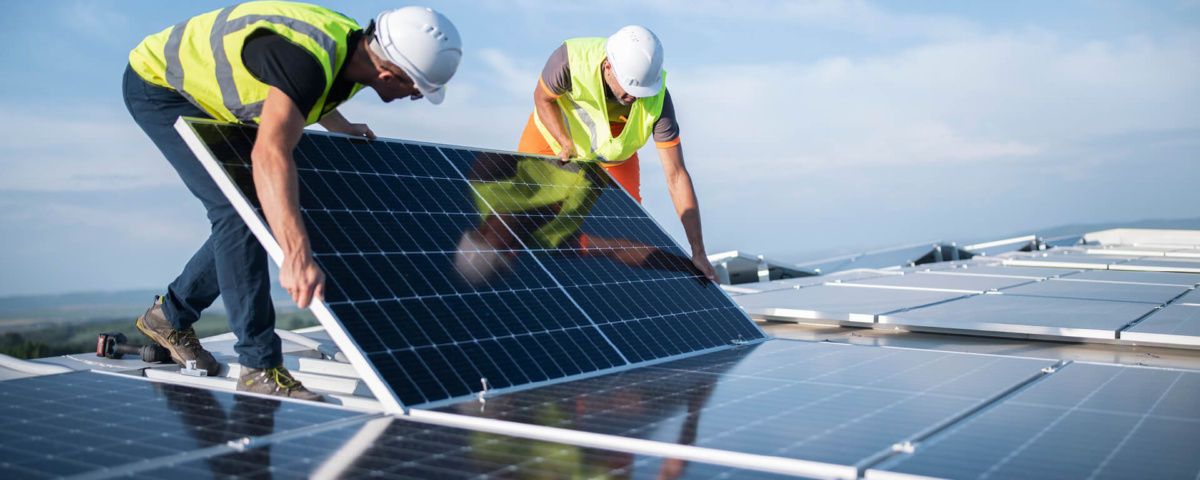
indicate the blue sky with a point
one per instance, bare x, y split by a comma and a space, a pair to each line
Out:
807, 125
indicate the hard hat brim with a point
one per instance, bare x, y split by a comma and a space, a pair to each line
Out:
435, 96
644, 91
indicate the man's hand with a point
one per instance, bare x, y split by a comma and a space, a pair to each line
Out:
701, 262
302, 279
567, 152
336, 123
359, 130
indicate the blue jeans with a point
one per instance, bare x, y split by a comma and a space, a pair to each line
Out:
231, 263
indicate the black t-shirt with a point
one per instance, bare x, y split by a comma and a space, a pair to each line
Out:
276, 61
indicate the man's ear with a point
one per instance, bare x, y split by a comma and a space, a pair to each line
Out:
385, 75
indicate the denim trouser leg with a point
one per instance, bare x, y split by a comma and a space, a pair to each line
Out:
231, 262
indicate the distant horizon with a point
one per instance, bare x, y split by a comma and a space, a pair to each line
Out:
1058, 230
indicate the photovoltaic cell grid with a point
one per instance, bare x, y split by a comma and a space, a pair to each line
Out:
78, 423
447, 266
390, 448
827, 403
1084, 421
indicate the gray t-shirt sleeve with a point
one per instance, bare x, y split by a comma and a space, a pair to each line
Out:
556, 75
666, 129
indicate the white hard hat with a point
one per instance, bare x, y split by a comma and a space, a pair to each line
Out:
424, 44
636, 57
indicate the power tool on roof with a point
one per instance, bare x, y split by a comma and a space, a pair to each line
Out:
112, 345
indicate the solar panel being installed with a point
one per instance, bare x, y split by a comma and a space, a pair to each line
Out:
448, 266
827, 403
1084, 421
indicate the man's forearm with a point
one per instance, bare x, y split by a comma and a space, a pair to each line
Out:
275, 172
278, 193
683, 195
334, 121
551, 116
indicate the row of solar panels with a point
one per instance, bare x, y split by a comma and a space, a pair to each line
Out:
777, 408
1132, 299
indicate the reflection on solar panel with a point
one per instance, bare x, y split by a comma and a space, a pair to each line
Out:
114, 426
449, 266
397, 449
78, 423
828, 403
1085, 421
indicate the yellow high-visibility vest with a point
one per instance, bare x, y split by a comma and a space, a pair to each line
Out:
201, 57
587, 114
538, 184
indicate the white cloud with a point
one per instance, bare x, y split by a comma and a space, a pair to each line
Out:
512, 79
988, 99
63, 149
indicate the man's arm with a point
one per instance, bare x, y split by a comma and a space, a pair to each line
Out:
679, 183
552, 118
278, 192
335, 122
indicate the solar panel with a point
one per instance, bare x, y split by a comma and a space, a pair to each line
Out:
1069, 260
1178, 265
1019, 314
78, 423
976, 283
447, 266
393, 448
1190, 298
1085, 421
839, 303
1175, 324
1124, 292
1161, 278
1004, 271
827, 403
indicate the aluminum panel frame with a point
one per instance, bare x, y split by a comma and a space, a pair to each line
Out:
1025, 315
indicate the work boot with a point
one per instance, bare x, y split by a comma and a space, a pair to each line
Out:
182, 344
274, 381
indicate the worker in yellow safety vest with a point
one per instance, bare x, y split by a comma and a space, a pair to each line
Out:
601, 99
282, 66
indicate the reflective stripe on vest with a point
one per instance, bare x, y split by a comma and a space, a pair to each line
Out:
586, 113
227, 80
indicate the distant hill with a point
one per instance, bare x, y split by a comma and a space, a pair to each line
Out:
26, 312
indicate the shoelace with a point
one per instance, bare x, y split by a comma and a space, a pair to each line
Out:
282, 378
186, 338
